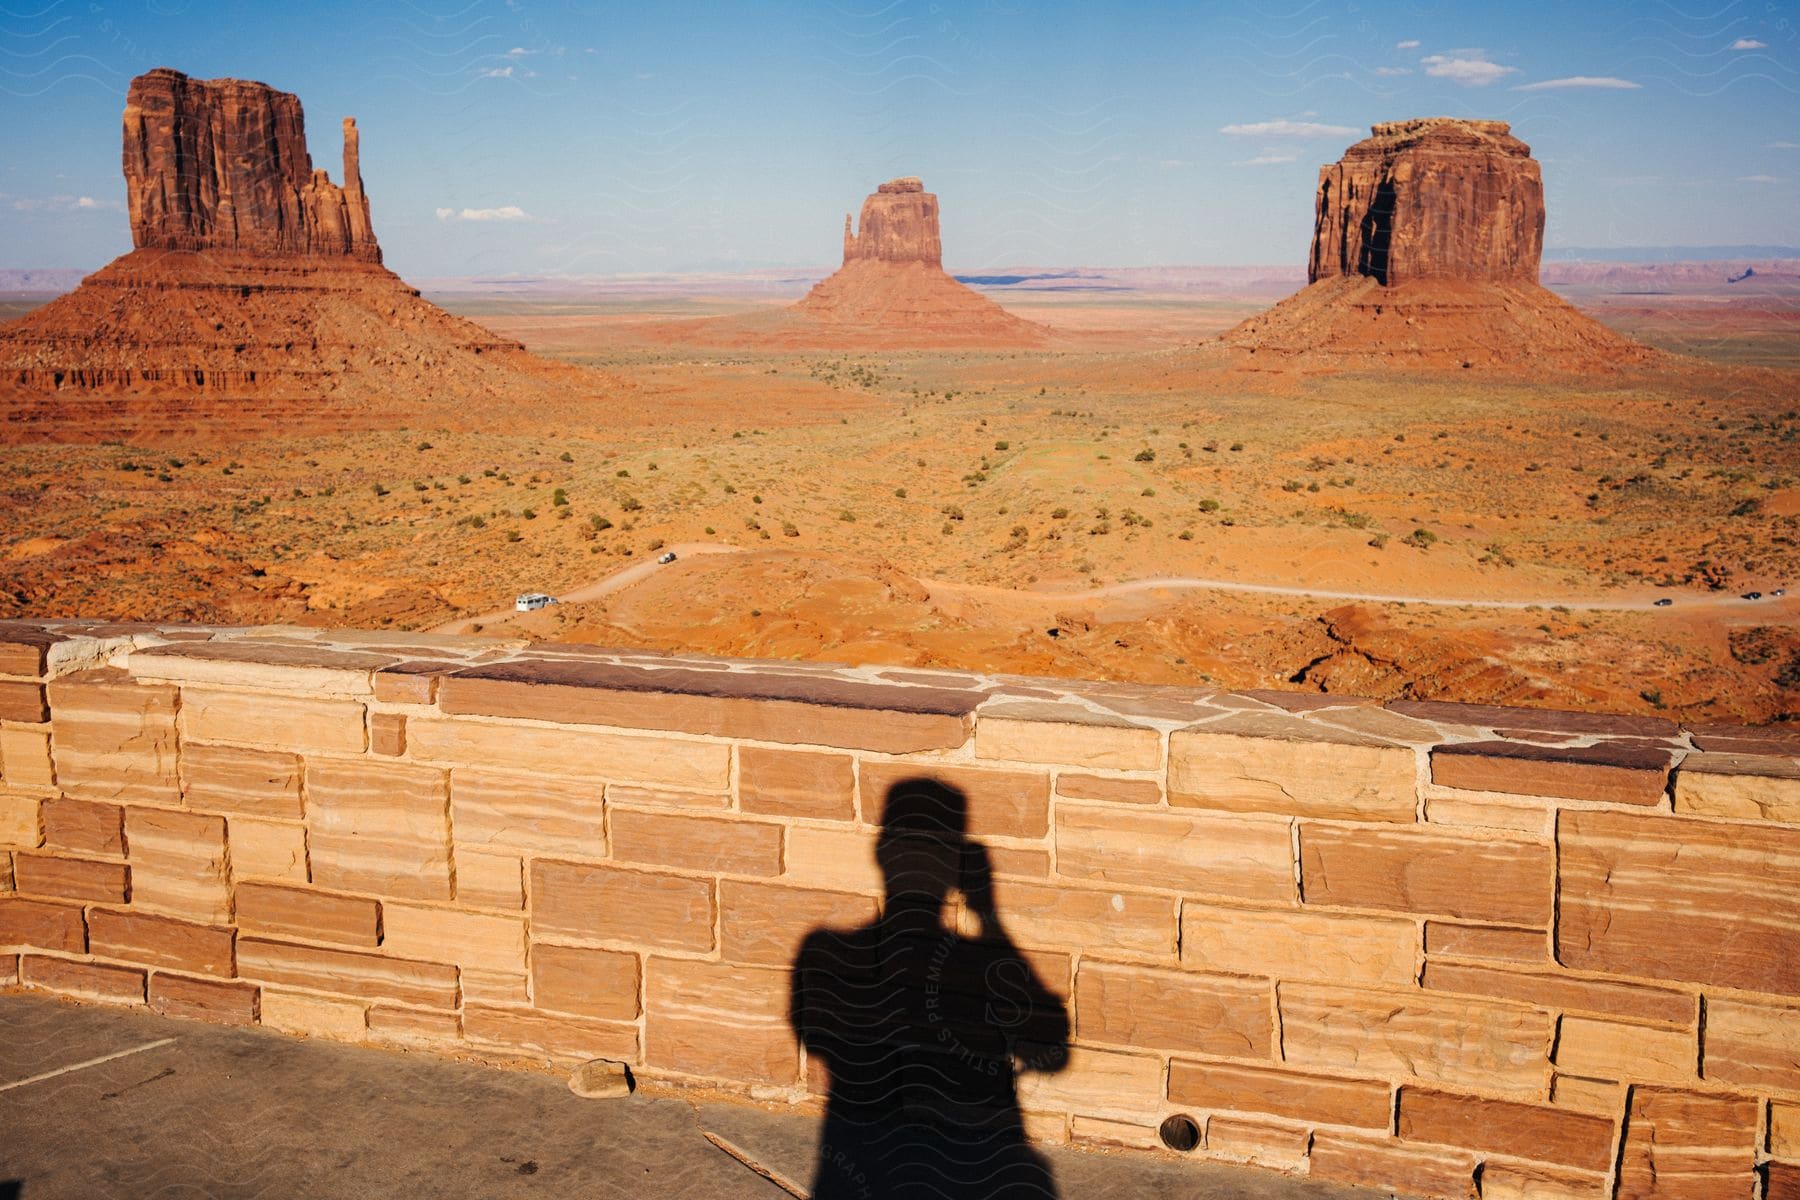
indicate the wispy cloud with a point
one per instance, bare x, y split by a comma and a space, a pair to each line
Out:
64, 203
1749, 44
1757, 179
1783, 146
1393, 70
1267, 160
510, 212
497, 73
1285, 128
1408, 44
1578, 81
1470, 68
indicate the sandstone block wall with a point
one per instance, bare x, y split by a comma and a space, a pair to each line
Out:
1444, 949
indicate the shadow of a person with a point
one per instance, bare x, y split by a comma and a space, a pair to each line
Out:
922, 1030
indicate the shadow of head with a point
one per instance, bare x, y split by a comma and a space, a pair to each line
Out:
923, 850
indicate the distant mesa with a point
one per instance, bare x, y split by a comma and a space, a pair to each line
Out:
255, 294
1427, 238
892, 287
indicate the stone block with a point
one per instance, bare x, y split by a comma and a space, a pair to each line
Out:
1477, 811
1181, 1011
19, 821
155, 941
570, 752
586, 982
1684, 1145
235, 779
114, 739
1550, 989
1001, 803
25, 760
835, 858
1246, 858
1291, 944
415, 1026
1660, 897
487, 941
379, 827
1746, 786
267, 850
490, 880
1437, 1172
365, 976
1602, 1097
289, 723
1280, 1092
1100, 1131
1781, 1181
763, 924
1531, 1131
1468, 1043
603, 903
523, 812
719, 1020
712, 844
23, 701
1542, 720
1496, 943
1101, 921
1784, 1129
409, 682
1534, 1181
42, 925
553, 1035
1488, 879
309, 914
90, 981
1112, 791
1260, 763
223, 1002
1608, 773
796, 783
387, 733
71, 878
1067, 735
313, 668
1754, 1046
314, 1016
1105, 1083
178, 863
1261, 1143
1600, 1049
84, 826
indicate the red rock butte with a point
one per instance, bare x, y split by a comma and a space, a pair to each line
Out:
254, 296
892, 288
1425, 250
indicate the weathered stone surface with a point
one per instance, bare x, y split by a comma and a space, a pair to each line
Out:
268, 849
233, 779
1752, 1045
1498, 943
1057, 915
764, 924
1244, 857
1280, 1092
379, 827
764, 706
221, 164
409, 682
1533, 818
91, 981
840, 860
416, 1026
1470, 1043
899, 223
525, 812
310, 668
314, 1016
1666, 898
1101, 1082
25, 760
42, 925
1680, 1144
1434, 1171
796, 783
489, 880
551, 1034
1180, 1011
308, 913
1114, 791
288, 722
1001, 803
1100, 1131
22, 701
587, 982
720, 1020
1602, 1097
600, 1079
161, 941
488, 941
178, 863
576, 753
1602, 1049
114, 739
1542, 720
1784, 1129
1033, 732
387, 734
1746, 739
1607, 772
19, 821
220, 1001
365, 976
1532, 1181
25, 648
633, 795
1265, 764
71, 878
1531, 1131
1547, 989
1756, 787
1782, 1181
582, 901
1296, 945
713, 844
1263, 1143
1406, 871
83, 826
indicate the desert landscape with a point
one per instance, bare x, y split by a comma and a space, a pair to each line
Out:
1426, 478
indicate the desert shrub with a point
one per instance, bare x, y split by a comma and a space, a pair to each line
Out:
565, 456
1144, 455
1209, 505
513, 535
1002, 445
630, 504
559, 498
1059, 513
1421, 537
899, 493
789, 529
378, 489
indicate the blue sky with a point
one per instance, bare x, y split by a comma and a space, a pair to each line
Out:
595, 137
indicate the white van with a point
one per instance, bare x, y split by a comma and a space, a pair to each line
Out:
532, 601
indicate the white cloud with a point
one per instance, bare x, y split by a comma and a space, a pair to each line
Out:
1749, 44
1286, 128
1267, 160
1408, 44
1757, 179
1393, 71
1467, 67
63, 203
497, 73
1578, 81
1783, 146
510, 212
518, 52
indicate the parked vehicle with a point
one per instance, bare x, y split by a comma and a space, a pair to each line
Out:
667, 558
532, 601
1753, 595
1664, 602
